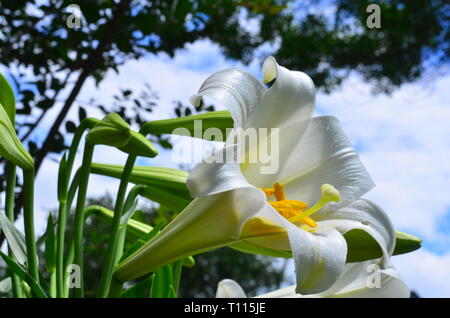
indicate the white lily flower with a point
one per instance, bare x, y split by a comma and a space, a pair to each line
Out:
317, 187
355, 282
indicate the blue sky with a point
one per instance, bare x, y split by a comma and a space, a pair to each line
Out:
403, 140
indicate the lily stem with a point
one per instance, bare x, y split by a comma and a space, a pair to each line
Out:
64, 208
79, 214
113, 248
28, 217
9, 210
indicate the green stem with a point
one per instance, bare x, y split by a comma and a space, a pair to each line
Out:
79, 213
53, 284
64, 207
177, 269
9, 210
62, 220
115, 290
28, 216
131, 197
71, 251
111, 254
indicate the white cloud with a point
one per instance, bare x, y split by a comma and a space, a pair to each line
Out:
403, 140
426, 273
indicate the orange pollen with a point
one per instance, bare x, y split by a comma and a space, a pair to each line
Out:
288, 208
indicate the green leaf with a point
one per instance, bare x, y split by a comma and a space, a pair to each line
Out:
135, 229
63, 179
141, 241
128, 214
140, 290
193, 126
7, 98
162, 282
15, 238
6, 285
50, 246
38, 291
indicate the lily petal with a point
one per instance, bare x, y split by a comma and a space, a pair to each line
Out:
237, 90
354, 284
290, 99
217, 173
319, 256
364, 215
206, 223
322, 154
228, 288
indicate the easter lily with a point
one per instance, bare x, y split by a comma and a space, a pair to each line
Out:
305, 206
356, 282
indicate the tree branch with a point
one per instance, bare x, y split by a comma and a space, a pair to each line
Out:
87, 69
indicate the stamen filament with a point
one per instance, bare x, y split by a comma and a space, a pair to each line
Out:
293, 210
329, 194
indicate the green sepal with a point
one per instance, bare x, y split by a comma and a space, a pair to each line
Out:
221, 120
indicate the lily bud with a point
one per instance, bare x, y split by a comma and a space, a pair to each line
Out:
10, 146
7, 98
193, 126
113, 131
139, 145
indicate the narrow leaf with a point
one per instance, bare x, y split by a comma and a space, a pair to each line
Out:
21, 272
15, 238
50, 246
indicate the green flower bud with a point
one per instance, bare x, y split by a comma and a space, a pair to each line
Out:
10, 146
139, 145
113, 131
7, 98
193, 126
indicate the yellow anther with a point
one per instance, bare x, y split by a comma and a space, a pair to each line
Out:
294, 210
268, 191
329, 194
279, 192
